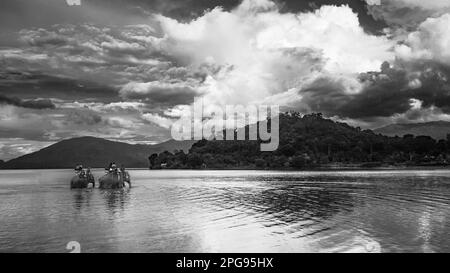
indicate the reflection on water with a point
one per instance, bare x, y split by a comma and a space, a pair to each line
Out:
229, 211
116, 200
81, 199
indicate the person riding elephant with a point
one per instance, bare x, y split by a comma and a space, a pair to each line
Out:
115, 178
79, 170
82, 178
90, 177
125, 175
112, 167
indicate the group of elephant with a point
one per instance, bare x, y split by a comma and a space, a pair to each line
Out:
111, 180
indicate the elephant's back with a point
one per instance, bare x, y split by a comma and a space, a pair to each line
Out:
78, 182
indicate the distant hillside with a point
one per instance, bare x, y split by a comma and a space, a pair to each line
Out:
92, 152
311, 141
437, 129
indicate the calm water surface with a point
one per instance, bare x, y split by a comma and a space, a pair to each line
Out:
229, 211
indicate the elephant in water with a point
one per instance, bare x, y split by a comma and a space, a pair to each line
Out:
82, 181
114, 180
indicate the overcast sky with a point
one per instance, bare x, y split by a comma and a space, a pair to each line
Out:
125, 70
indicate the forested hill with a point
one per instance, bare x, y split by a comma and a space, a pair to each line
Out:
307, 141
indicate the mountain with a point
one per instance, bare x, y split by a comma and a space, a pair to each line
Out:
308, 141
92, 152
436, 129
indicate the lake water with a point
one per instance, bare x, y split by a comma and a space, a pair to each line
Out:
229, 211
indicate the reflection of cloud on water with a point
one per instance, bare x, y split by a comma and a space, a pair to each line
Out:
406, 215
425, 230
257, 216
431, 224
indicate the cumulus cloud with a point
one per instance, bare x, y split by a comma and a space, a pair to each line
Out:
429, 42
243, 55
262, 52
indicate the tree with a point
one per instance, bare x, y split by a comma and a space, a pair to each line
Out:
306, 141
194, 161
260, 163
152, 160
287, 150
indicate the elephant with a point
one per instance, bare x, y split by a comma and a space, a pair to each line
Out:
81, 181
114, 180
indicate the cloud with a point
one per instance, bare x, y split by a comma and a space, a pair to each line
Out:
42, 37
88, 52
429, 42
373, 2
130, 80
121, 122
406, 14
242, 55
25, 84
248, 34
260, 51
435, 4
14, 147
83, 118
329, 96
73, 2
32, 104
160, 92
161, 121
392, 92
26, 123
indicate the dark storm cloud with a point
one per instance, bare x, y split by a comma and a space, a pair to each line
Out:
435, 88
407, 14
85, 62
329, 97
44, 13
189, 9
27, 85
404, 17
18, 14
25, 133
32, 104
385, 94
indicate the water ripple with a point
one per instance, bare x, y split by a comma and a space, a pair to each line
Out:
229, 211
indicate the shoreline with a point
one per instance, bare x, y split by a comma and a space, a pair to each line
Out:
318, 168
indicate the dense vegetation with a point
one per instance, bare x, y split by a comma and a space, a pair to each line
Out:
310, 141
